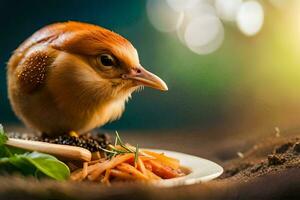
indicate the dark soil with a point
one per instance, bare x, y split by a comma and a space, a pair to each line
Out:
283, 156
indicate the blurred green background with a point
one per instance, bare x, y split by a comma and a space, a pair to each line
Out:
249, 80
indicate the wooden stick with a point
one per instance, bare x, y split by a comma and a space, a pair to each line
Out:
65, 151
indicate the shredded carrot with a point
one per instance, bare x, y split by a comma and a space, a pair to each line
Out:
163, 171
121, 175
96, 155
153, 176
125, 167
94, 167
84, 170
106, 177
80, 174
108, 165
96, 161
149, 166
141, 166
145, 158
75, 175
171, 162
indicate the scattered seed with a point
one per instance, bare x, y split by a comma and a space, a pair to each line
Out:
283, 148
275, 160
277, 131
240, 154
297, 147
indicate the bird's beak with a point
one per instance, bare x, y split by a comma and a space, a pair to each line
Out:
146, 78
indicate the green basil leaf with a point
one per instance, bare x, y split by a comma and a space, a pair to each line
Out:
14, 165
48, 165
15, 150
14, 160
4, 151
22, 165
39, 175
6, 167
3, 136
35, 164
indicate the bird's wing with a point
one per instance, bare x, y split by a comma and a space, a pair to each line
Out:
32, 72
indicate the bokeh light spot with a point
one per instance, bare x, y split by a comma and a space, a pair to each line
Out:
198, 11
204, 34
278, 3
250, 17
162, 16
227, 9
182, 5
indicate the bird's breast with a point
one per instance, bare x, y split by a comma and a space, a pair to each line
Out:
107, 112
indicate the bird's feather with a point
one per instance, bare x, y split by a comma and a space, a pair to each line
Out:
32, 71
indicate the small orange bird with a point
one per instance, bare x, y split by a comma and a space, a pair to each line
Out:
74, 76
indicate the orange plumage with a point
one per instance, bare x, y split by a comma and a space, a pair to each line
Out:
74, 76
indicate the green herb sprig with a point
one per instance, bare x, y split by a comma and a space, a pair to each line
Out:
112, 151
15, 160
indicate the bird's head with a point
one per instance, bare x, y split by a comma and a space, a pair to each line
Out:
102, 56
93, 62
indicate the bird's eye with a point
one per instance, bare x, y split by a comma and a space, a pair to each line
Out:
107, 60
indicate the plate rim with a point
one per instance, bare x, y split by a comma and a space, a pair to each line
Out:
188, 179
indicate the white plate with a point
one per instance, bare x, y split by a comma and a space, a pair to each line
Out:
201, 170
